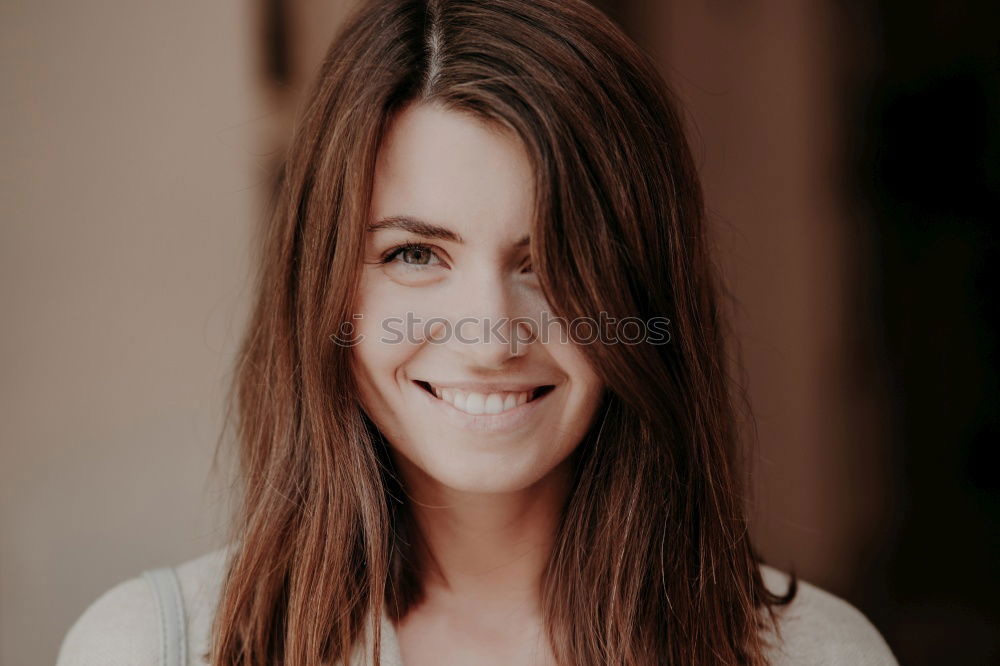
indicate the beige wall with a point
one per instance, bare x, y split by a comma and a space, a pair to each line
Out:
130, 187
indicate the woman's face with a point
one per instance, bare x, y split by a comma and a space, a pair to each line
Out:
469, 399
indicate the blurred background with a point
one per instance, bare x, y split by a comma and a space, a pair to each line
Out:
850, 153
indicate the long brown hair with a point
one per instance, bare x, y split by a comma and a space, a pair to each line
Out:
652, 563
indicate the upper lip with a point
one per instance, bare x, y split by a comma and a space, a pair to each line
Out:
487, 387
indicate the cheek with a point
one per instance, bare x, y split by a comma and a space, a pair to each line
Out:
379, 354
388, 340
376, 369
390, 312
587, 386
373, 360
377, 309
573, 359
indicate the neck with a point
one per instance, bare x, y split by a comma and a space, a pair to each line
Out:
486, 548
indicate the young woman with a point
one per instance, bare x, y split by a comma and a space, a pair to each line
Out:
483, 407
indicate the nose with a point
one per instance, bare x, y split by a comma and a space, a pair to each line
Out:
485, 332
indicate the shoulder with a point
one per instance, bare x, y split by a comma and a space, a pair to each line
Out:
820, 628
201, 582
122, 625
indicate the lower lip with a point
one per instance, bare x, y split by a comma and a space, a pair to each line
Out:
507, 421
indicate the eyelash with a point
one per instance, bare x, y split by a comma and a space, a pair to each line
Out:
395, 251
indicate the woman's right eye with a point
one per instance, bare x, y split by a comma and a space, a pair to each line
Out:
412, 254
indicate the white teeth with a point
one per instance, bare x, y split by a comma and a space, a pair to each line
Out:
475, 403
494, 404
481, 403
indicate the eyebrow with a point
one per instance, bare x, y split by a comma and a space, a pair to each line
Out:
426, 229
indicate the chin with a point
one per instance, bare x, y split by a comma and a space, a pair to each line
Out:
481, 472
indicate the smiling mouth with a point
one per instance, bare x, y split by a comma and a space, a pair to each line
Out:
475, 403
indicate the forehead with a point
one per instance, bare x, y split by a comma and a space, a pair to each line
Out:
454, 170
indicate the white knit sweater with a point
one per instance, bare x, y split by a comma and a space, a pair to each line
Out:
120, 628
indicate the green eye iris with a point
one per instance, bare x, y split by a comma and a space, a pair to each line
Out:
416, 255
